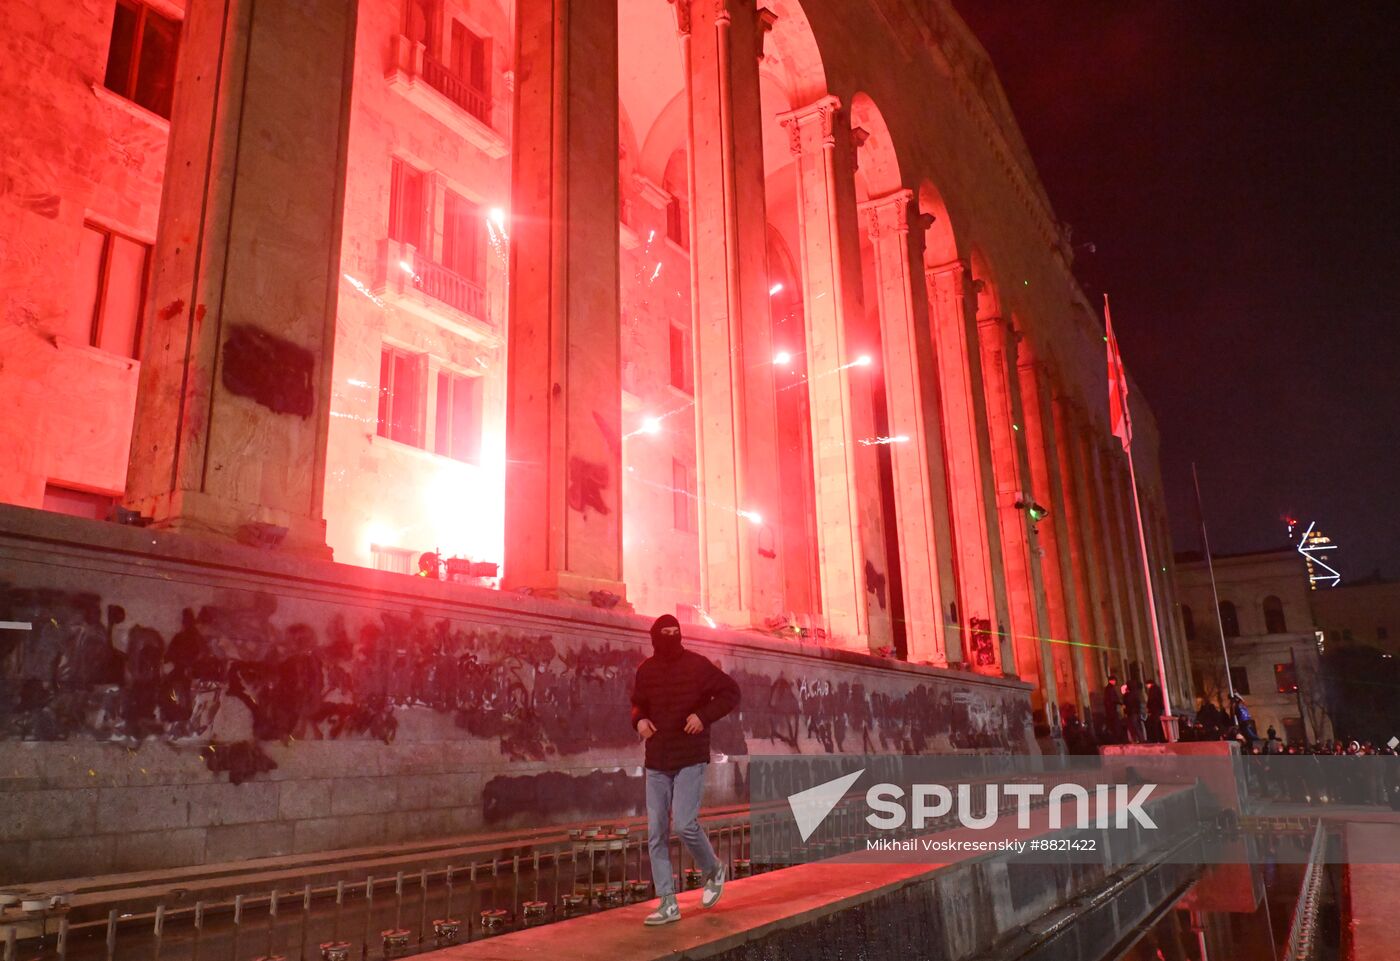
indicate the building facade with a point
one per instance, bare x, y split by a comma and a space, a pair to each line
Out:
1270, 638
1360, 613
664, 307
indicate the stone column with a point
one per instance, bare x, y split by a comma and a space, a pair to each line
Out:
735, 411
1121, 496
911, 385
831, 301
1178, 666
972, 491
1109, 546
563, 425
1064, 590
1079, 524
1037, 546
1019, 645
1102, 575
233, 409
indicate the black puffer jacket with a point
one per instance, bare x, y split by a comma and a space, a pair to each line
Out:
670, 686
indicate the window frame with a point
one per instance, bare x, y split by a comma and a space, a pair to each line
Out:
104, 273
444, 432
133, 71
687, 365
398, 170
384, 426
1239, 678
684, 500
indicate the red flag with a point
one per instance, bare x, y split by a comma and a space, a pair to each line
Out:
1118, 415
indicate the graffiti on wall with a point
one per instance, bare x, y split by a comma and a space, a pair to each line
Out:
86, 671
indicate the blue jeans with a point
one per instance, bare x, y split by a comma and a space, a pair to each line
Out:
673, 797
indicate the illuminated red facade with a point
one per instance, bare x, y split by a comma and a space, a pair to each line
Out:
755, 314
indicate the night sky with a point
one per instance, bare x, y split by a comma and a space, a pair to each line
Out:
1236, 166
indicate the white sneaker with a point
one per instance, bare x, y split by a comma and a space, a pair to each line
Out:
666, 912
714, 887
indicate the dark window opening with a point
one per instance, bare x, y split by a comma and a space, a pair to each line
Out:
681, 360
1188, 622
676, 226
1274, 621
1239, 680
407, 205
401, 396
141, 56
463, 247
1229, 619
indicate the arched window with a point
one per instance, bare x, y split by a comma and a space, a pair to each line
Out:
1229, 619
1274, 622
1188, 622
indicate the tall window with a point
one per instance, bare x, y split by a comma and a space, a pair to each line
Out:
1286, 678
1239, 679
401, 395
408, 219
681, 360
457, 430
462, 241
682, 497
676, 222
1188, 622
471, 58
420, 23
108, 289
141, 56
1274, 622
1229, 619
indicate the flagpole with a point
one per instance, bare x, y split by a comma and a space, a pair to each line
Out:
1214, 594
1151, 598
1152, 619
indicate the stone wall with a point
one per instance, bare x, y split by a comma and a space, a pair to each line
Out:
179, 702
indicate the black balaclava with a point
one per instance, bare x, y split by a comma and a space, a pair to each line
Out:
666, 647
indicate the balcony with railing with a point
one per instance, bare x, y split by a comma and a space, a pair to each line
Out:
414, 282
442, 79
436, 89
449, 287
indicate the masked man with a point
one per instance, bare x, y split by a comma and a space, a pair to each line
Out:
676, 697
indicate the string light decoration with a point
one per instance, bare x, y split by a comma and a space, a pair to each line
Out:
1312, 545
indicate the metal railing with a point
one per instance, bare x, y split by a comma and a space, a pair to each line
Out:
1302, 940
442, 79
389, 913
451, 288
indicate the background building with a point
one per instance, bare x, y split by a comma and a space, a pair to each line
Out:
1360, 612
1270, 637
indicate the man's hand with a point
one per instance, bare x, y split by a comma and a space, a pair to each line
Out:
645, 728
693, 725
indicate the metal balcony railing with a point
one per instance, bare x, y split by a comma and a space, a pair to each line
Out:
449, 287
441, 78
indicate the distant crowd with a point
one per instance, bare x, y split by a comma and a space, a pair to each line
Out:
1133, 715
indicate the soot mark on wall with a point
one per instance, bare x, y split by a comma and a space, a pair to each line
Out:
274, 372
557, 795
